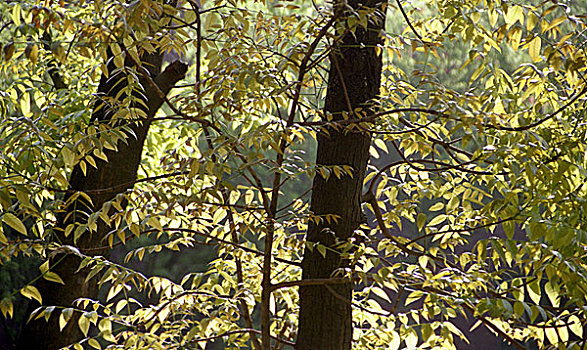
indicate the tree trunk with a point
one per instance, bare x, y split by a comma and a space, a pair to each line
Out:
325, 320
102, 184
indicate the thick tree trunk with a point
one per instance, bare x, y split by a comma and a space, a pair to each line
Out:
325, 320
102, 184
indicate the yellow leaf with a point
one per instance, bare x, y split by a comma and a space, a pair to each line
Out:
31, 292
421, 220
381, 145
515, 36
53, 277
575, 326
381, 293
84, 324
515, 14
551, 334
498, 108
534, 291
62, 322
436, 207
25, 105
396, 340
534, 49
7, 308
492, 17
14, 222
554, 23
94, 343
437, 220
532, 21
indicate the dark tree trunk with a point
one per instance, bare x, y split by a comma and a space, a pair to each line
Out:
102, 184
354, 79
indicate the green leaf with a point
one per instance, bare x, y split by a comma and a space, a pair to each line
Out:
68, 156
321, 249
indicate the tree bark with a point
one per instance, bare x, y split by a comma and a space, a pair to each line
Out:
102, 184
325, 320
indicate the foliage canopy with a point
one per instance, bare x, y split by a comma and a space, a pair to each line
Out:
479, 130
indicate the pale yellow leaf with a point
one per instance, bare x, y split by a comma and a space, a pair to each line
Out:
14, 222
534, 49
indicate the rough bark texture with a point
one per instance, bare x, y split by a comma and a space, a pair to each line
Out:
116, 176
354, 79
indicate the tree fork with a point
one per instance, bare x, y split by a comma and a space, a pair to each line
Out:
325, 320
118, 174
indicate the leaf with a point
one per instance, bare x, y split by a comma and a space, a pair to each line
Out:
575, 326
48, 311
477, 324
381, 293
32, 52
9, 51
554, 23
437, 220
411, 340
6, 307
421, 221
551, 334
31, 292
436, 207
381, 145
534, 291
94, 343
534, 49
514, 14
64, 317
114, 290
321, 249
105, 327
68, 156
531, 21
414, 296
84, 324
14, 222
395, 340
492, 17
515, 36
53, 277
